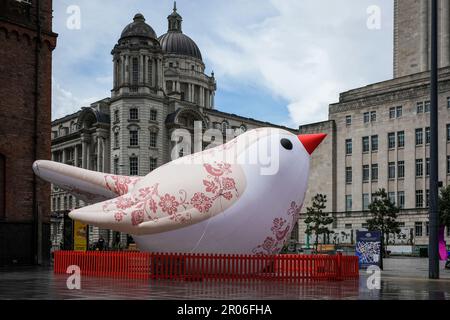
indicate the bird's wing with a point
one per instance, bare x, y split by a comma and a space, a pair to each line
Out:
173, 196
89, 186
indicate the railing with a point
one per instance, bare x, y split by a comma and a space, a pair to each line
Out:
188, 266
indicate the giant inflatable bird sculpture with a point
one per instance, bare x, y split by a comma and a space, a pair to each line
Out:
242, 197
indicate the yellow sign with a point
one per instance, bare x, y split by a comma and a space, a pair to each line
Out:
79, 236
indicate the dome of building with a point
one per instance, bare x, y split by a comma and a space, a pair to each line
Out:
175, 41
138, 28
179, 43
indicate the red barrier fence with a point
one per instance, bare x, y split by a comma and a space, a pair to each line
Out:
193, 266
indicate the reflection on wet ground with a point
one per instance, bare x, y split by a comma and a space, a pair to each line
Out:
403, 278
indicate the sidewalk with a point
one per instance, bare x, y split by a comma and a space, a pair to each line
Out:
403, 278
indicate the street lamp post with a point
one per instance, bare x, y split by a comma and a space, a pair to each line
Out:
433, 271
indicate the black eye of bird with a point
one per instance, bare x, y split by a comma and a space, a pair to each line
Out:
286, 143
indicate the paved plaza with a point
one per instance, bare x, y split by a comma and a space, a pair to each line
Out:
403, 278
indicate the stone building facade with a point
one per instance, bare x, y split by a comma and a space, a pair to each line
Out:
159, 85
379, 138
26, 45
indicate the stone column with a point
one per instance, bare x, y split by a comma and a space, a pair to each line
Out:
75, 154
141, 69
63, 158
88, 155
202, 96
83, 153
121, 70
156, 71
105, 163
160, 73
98, 154
153, 62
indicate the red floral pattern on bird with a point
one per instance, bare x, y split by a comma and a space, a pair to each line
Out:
150, 203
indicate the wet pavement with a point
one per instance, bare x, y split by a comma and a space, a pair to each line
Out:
403, 278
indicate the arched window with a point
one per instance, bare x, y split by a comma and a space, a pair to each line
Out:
225, 126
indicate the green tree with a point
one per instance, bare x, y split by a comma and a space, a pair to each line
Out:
444, 207
384, 217
317, 220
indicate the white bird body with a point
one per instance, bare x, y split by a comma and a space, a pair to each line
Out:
221, 200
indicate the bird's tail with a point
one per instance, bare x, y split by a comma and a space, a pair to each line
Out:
89, 186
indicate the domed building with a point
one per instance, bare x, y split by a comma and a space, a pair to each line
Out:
159, 90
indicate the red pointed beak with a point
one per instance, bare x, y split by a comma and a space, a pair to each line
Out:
311, 141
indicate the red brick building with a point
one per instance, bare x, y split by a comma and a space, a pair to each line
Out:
26, 45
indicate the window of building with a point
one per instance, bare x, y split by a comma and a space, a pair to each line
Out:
401, 169
116, 116
427, 135
427, 228
392, 113
398, 111
2, 186
348, 146
401, 199
225, 126
365, 144
135, 73
134, 138
116, 139
419, 198
170, 64
153, 163
116, 166
427, 198
391, 170
419, 167
427, 106
65, 203
418, 229
70, 202
448, 102
448, 164
448, 132
364, 225
419, 136
348, 226
134, 114
366, 117
373, 116
391, 197
348, 175
391, 140
365, 201
427, 166
348, 203
153, 139
365, 173
419, 107
374, 143
348, 120
374, 172
153, 115
401, 139
134, 167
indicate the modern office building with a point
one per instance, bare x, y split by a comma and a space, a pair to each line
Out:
379, 136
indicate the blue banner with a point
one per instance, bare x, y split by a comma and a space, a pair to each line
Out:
368, 248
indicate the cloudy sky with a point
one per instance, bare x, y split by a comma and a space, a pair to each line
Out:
282, 61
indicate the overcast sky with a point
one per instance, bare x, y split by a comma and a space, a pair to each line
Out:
282, 61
